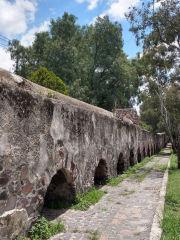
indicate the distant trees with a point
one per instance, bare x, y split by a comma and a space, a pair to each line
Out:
89, 60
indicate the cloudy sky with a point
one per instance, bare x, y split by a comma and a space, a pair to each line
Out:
20, 19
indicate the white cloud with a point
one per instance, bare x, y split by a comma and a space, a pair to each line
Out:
52, 10
15, 16
5, 60
119, 7
28, 38
92, 3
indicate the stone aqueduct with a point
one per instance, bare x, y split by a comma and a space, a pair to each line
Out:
53, 148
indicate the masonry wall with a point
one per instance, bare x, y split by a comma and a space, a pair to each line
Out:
43, 141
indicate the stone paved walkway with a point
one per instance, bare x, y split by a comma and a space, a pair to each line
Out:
116, 216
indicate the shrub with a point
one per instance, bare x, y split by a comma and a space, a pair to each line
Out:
48, 79
146, 127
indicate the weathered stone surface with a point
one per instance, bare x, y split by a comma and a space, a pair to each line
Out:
4, 179
27, 189
11, 203
3, 195
24, 173
22, 203
11, 223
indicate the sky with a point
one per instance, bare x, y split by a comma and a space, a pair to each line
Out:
21, 19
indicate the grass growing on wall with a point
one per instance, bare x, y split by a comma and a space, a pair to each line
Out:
171, 217
82, 201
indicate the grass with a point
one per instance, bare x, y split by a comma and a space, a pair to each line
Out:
171, 216
118, 203
137, 233
130, 171
94, 235
104, 209
82, 201
141, 177
127, 192
75, 230
43, 229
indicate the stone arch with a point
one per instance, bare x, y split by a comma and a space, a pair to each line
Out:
131, 158
139, 158
148, 151
144, 152
61, 187
120, 164
152, 150
101, 172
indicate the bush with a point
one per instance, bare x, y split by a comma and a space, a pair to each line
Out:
48, 79
44, 229
146, 127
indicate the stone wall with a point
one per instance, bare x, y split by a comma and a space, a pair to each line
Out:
51, 144
128, 113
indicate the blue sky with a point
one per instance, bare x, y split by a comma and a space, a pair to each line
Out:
20, 19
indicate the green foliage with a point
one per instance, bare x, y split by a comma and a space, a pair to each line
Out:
171, 217
89, 59
82, 201
44, 229
146, 126
171, 151
48, 79
127, 192
94, 235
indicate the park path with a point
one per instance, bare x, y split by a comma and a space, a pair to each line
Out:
116, 216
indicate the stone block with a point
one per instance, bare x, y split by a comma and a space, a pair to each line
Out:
12, 223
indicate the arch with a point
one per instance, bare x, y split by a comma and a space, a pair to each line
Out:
101, 172
61, 187
131, 158
139, 155
144, 152
120, 164
152, 150
148, 151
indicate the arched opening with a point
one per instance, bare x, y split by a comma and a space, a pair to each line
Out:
120, 164
101, 173
148, 152
139, 155
144, 152
152, 150
131, 158
61, 188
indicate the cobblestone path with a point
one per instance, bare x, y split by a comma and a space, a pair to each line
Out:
116, 216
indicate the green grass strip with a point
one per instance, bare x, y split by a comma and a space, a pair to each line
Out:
130, 171
171, 216
82, 201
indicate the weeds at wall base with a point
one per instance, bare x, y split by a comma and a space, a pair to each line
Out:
82, 201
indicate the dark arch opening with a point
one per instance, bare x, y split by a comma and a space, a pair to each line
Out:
120, 164
144, 152
139, 155
148, 152
61, 188
131, 158
152, 150
101, 173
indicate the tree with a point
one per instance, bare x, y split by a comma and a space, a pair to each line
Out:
48, 79
155, 25
89, 60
